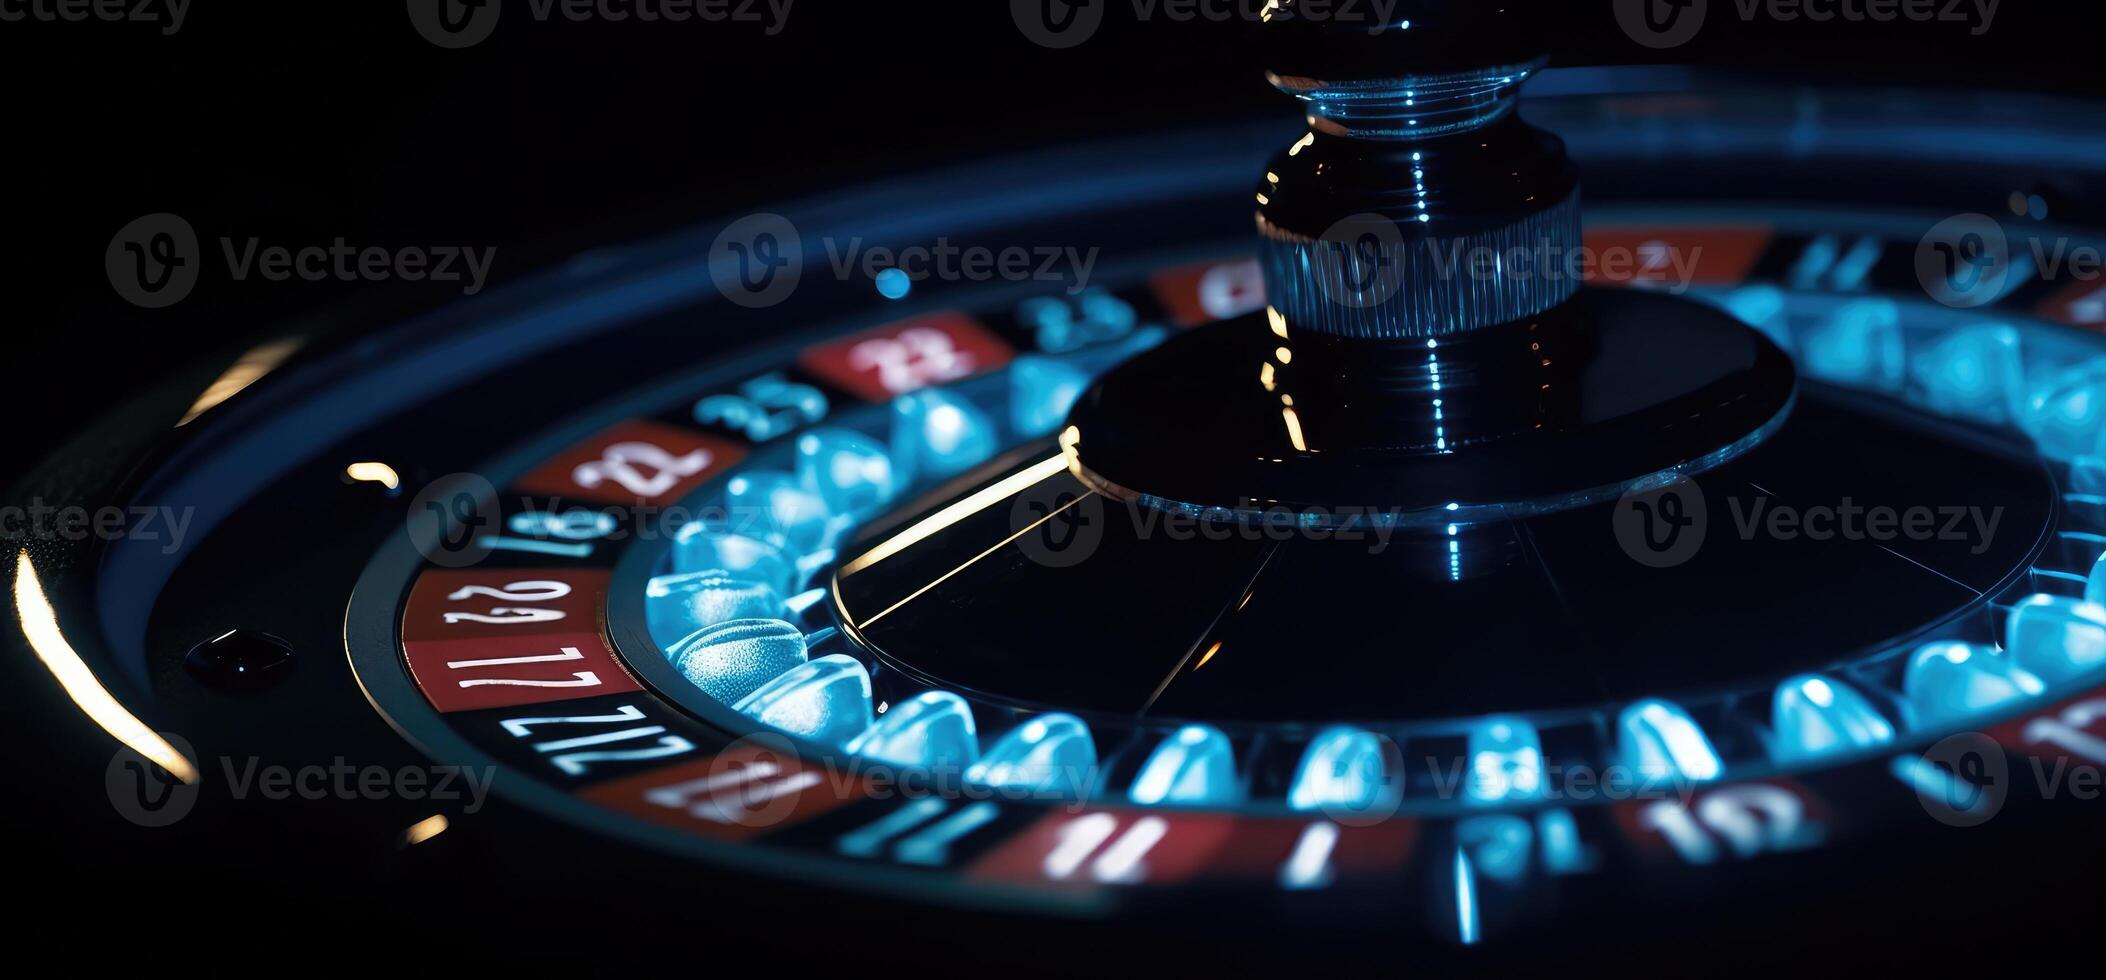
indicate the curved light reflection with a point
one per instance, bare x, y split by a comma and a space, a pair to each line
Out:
40, 625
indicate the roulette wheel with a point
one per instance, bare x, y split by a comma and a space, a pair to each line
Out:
1519, 514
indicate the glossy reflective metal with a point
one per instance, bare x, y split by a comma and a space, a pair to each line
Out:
1572, 407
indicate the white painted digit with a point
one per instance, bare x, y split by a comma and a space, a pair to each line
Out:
1750, 820
1309, 867
536, 591
2071, 731
868, 840
2090, 307
569, 653
1227, 291
931, 845
584, 678
507, 616
523, 727
575, 763
756, 782
1120, 861
641, 468
915, 358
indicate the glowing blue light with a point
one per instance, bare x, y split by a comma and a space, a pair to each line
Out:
1467, 927
894, 284
1506, 762
1950, 683
1662, 743
936, 435
1342, 769
707, 548
733, 659
2066, 416
1814, 263
1309, 866
1943, 787
826, 700
1051, 754
1761, 307
771, 505
1814, 716
2087, 474
1064, 324
802, 602
929, 730
1974, 373
678, 605
2095, 583
848, 471
1195, 766
2056, 639
1500, 847
1850, 270
1563, 851
1860, 345
1041, 390
570, 525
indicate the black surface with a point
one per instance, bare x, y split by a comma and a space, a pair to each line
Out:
1612, 386
307, 121
1542, 613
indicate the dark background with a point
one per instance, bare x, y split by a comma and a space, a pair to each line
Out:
302, 121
